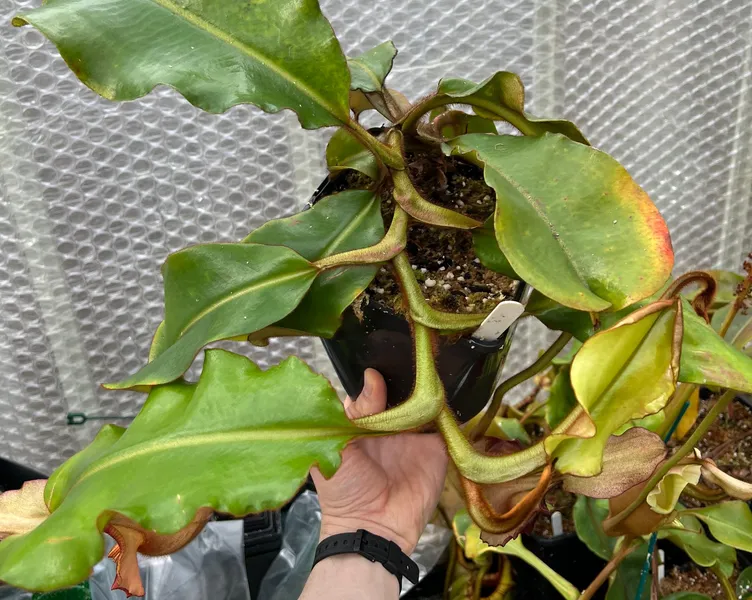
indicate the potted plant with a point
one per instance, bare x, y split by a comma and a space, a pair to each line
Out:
688, 506
547, 209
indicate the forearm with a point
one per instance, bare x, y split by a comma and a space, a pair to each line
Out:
349, 576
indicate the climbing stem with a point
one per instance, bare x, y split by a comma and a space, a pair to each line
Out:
390, 245
481, 468
389, 156
410, 121
728, 589
685, 449
420, 310
625, 550
543, 361
427, 398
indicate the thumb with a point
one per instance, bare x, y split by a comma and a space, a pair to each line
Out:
372, 398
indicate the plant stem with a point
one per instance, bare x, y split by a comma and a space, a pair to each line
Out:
390, 246
516, 119
478, 586
685, 449
420, 310
674, 406
387, 155
453, 550
615, 561
505, 580
728, 589
543, 361
741, 294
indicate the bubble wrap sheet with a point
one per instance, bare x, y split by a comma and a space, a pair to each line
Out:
96, 194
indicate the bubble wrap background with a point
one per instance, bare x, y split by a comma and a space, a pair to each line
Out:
95, 194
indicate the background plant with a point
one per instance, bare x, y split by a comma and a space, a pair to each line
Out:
569, 220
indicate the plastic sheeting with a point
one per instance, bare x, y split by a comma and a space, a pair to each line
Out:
288, 573
94, 195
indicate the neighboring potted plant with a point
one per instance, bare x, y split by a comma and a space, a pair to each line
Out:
615, 522
548, 210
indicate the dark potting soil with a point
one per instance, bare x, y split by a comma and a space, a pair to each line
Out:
729, 441
691, 578
450, 275
556, 500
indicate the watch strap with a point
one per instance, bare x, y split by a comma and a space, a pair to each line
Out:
373, 547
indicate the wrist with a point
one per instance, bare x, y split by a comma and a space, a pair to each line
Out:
338, 576
333, 525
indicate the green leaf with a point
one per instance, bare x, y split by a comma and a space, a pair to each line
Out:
276, 55
220, 291
707, 359
508, 429
729, 522
625, 581
744, 584
487, 250
502, 96
620, 374
690, 537
468, 537
344, 152
561, 398
369, 70
719, 316
571, 221
238, 441
588, 515
338, 223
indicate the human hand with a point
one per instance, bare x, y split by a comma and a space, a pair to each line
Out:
388, 485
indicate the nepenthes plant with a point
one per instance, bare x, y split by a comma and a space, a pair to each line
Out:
540, 209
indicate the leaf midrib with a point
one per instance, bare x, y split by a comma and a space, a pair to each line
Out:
242, 292
178, 442
201, 23
352, 226
556, 235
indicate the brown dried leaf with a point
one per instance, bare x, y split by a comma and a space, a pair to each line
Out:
22, 510
628, 459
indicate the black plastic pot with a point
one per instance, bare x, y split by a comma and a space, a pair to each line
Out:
382, 341
13, 475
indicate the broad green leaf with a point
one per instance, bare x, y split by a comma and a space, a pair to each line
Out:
369, 70
707, 359
238, 441
744, 584
468, 537
624, 582
686, 596
620, 374
338, 223
502, 96
588, 515
571, 221
220, 291
344, 152
276, 55
561, 398
729, 522
487, 250
689, 535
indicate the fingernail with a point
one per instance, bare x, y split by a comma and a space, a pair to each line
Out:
367, 383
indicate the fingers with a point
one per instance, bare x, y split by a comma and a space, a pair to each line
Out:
372, 399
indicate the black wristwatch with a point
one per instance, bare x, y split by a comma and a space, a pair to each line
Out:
373, 547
